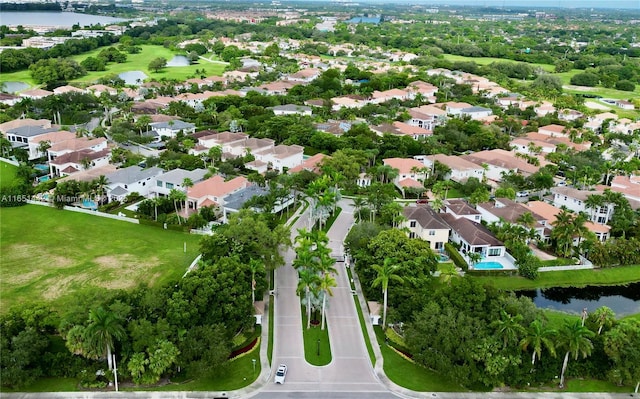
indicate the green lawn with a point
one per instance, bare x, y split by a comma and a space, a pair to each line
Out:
7, 174
410, 375
49, 254
135, 62
489, 60
140, 62
569, 278
317, 348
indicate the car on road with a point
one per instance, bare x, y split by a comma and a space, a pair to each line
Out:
522, 194
281, 373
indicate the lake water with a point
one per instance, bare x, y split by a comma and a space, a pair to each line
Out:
624, 300
178, 61
133, 77
12, 87
51, 18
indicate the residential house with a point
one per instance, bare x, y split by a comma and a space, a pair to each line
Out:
504, 210
460, 208
499, 162
337, 128
426, 90
280, 157
311, 164
574, 199
98, 89
549, 213
67, 89
305, 75
438, 115
224, 140
247, 146
132, 179
553, 130
421, 119
476, 112
291, 109
36, 94
402, 129
172, 128
237, 200
624, 104
162, 185
76, 144
629, 186
212, 191
570, 115
379, 97
278, 88
72, 162
411, 173
20, 131
461, 169
52, 138
531, 147
425, 223
9, 99
555, 140
349, 101
453, 108
541, 109
473, 237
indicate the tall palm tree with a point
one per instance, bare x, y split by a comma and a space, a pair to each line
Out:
305, 260
177, 196
603, 317
326, 283
593, 202
103, 330
308, 282
101, 182
575, 339
537, 337
387, 272
187, 183
563, 232
358, 204
509, 327
255, 266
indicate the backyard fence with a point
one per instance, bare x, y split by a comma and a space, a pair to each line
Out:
88, 212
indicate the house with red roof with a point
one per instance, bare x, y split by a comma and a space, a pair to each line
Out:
411, 173
211, 192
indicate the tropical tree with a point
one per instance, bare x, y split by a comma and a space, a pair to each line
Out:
509, 327
100, 183
215, 154
103, 330
255, 266
538, 337
563, 232
359, 204
325, 284
575, 339
387, 272
621, 345
43, 147
307, 284
177, 196
602, 317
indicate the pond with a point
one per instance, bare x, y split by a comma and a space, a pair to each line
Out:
12, 87
133, 77
178, 61
624, 300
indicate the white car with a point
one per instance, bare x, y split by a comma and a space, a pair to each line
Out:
281, 373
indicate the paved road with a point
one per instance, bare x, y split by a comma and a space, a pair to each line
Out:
350, 369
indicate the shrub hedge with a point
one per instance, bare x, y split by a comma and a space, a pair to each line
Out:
455, 256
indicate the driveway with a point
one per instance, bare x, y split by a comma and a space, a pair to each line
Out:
350, 369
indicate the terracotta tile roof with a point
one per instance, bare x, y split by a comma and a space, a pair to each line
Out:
404, 165
311, 164
216, 186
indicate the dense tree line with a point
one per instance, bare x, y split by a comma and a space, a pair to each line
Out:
183, 327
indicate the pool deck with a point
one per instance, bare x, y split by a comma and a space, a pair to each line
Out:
504, 261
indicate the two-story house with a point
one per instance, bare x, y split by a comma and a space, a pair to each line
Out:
132, 179
425, 223
460, 169
174, 179
504, 210
576, 200
212, 191
411, 173
172, 128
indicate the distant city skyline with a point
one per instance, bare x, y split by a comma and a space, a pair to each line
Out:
537, 4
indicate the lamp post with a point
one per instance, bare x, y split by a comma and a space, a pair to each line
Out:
115, 371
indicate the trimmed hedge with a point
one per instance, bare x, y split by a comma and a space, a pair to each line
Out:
455, 256
489, 273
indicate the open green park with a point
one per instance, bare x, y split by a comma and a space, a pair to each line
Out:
50, 255
135, 62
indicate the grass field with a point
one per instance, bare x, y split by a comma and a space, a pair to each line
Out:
489, 60
7, 173
569, 278
135, 62
49, 254
317, 348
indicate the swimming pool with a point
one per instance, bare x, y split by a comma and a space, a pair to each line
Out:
41, 167
43, 178
443, 258
87, 203
488, 266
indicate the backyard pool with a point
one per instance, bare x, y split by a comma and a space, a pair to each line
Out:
41, 167
87, 203
43, 178
488, 266
443, 258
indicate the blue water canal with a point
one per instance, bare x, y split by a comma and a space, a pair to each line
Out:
624, 300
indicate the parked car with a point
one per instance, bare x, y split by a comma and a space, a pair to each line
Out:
281, 373
522, 194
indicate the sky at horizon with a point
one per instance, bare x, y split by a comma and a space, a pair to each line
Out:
537, 4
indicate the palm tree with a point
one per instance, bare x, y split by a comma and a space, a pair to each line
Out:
86, 163
177, 196
593, 202
43, 148
101, 182
325, 284
308, 281
537, 337
509, 327
358, 204
104, 328
187, 183
386, 272
563, 232
575, 339
448, 273
255, 266
305, 260
603, 317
